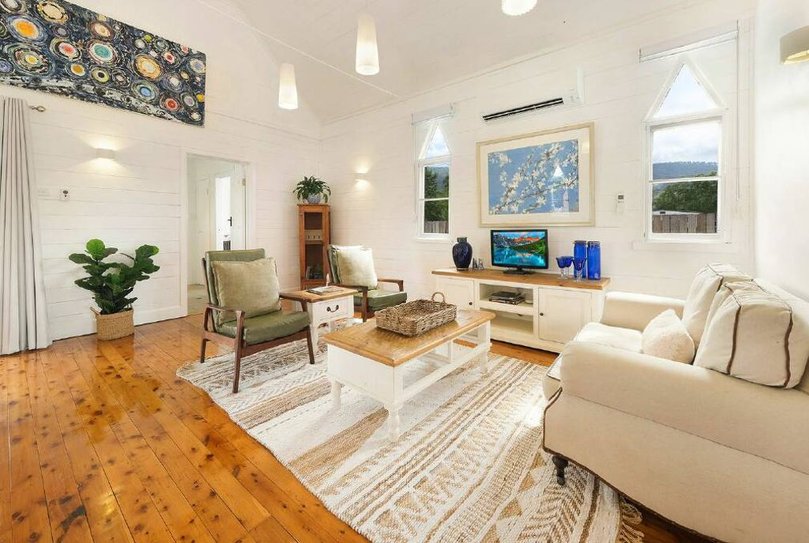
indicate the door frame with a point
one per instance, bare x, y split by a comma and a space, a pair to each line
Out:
250, 210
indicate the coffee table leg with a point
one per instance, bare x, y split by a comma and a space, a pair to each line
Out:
336, 390
393, 423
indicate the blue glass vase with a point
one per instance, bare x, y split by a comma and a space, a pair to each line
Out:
462, 254
593, 260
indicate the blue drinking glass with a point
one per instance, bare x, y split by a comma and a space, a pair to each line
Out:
564, 263
578, 268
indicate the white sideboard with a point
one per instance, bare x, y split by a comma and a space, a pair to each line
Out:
554, 311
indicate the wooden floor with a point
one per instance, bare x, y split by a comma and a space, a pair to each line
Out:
100, 441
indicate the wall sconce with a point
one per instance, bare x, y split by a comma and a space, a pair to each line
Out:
795, 46
108, 154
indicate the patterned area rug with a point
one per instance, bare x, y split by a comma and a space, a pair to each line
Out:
468, 466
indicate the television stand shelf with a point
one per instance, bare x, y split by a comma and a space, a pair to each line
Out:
554, 311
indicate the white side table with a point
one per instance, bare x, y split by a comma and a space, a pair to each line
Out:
324, 309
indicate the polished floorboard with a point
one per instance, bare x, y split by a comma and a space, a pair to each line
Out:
100, 441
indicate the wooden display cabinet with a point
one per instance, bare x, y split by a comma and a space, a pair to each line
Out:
314, 231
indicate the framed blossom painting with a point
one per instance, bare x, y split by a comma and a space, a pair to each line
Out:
544, 178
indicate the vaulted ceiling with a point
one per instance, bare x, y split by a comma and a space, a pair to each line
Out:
423, 44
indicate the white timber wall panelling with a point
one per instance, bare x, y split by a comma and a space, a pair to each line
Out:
782, 141
377, 147
138, 198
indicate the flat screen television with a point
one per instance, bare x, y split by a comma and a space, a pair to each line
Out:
520, 250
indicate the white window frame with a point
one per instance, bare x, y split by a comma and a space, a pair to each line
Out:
421, 164
718, 114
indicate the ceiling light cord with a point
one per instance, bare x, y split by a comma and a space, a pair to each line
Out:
299, 51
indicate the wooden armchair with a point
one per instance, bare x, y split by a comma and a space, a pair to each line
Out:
247, 333
369, 300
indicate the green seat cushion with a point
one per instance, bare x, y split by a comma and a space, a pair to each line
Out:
381, 299
268, 327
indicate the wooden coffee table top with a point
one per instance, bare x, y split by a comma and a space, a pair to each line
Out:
308, 297
393, 349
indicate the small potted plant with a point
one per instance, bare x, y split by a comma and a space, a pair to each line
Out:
112, 282
312, 190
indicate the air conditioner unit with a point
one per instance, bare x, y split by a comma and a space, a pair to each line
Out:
566, 96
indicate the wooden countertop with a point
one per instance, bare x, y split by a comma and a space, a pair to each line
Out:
308, 297
393, 349
540, 279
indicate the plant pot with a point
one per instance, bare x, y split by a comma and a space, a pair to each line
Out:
314, 198
114, 326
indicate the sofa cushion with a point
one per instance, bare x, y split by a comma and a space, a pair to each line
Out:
610, 336
754, 334
268, 327
355, 266
666, 337
381, 299
705, 285
252, 287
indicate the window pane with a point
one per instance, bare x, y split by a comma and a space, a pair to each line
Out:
436, 217
685, 208
686, 96
438, 145
687, 150
436, 181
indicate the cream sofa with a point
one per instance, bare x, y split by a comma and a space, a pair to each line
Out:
721, 456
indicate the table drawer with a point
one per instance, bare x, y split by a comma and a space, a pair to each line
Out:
340, 308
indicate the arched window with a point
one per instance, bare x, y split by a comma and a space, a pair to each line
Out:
685, 133
433, 173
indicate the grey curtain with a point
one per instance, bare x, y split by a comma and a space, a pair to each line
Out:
23, 311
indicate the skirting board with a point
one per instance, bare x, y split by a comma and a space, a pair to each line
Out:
82, 325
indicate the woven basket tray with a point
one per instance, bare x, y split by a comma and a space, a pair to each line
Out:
415, 318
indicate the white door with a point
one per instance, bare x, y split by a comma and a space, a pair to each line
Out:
238, 209
460, 292
562, 313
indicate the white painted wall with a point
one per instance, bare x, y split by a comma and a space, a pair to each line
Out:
782, 149
140, 197
379, 148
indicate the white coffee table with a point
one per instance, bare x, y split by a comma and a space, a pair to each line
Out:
373, 361
324, 308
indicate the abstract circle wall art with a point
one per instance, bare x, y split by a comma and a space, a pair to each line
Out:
61, 48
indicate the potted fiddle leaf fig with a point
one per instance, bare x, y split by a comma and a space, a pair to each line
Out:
312, 190
112, 282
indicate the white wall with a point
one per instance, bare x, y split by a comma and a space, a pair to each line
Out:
378, 146
782, 149
139, 198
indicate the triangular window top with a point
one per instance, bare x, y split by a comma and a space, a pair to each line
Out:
687, 95
437, 146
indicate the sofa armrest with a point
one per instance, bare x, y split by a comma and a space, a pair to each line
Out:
635, 311
745, 416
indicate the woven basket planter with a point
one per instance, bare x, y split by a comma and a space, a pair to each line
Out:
416, 318
114, 326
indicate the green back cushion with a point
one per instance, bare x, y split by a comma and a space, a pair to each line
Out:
250, 286
355, 266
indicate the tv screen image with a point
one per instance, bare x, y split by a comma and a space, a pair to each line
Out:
520, 249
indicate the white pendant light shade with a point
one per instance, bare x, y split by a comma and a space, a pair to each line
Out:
795, 46
367, 49
288, 89
518, 7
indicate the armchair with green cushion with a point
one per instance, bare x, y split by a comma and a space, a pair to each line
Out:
353, 267
244, 306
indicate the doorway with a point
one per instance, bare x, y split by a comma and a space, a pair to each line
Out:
217, 217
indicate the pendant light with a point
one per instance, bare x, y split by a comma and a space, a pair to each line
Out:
518, 7
288, 89
367, 49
